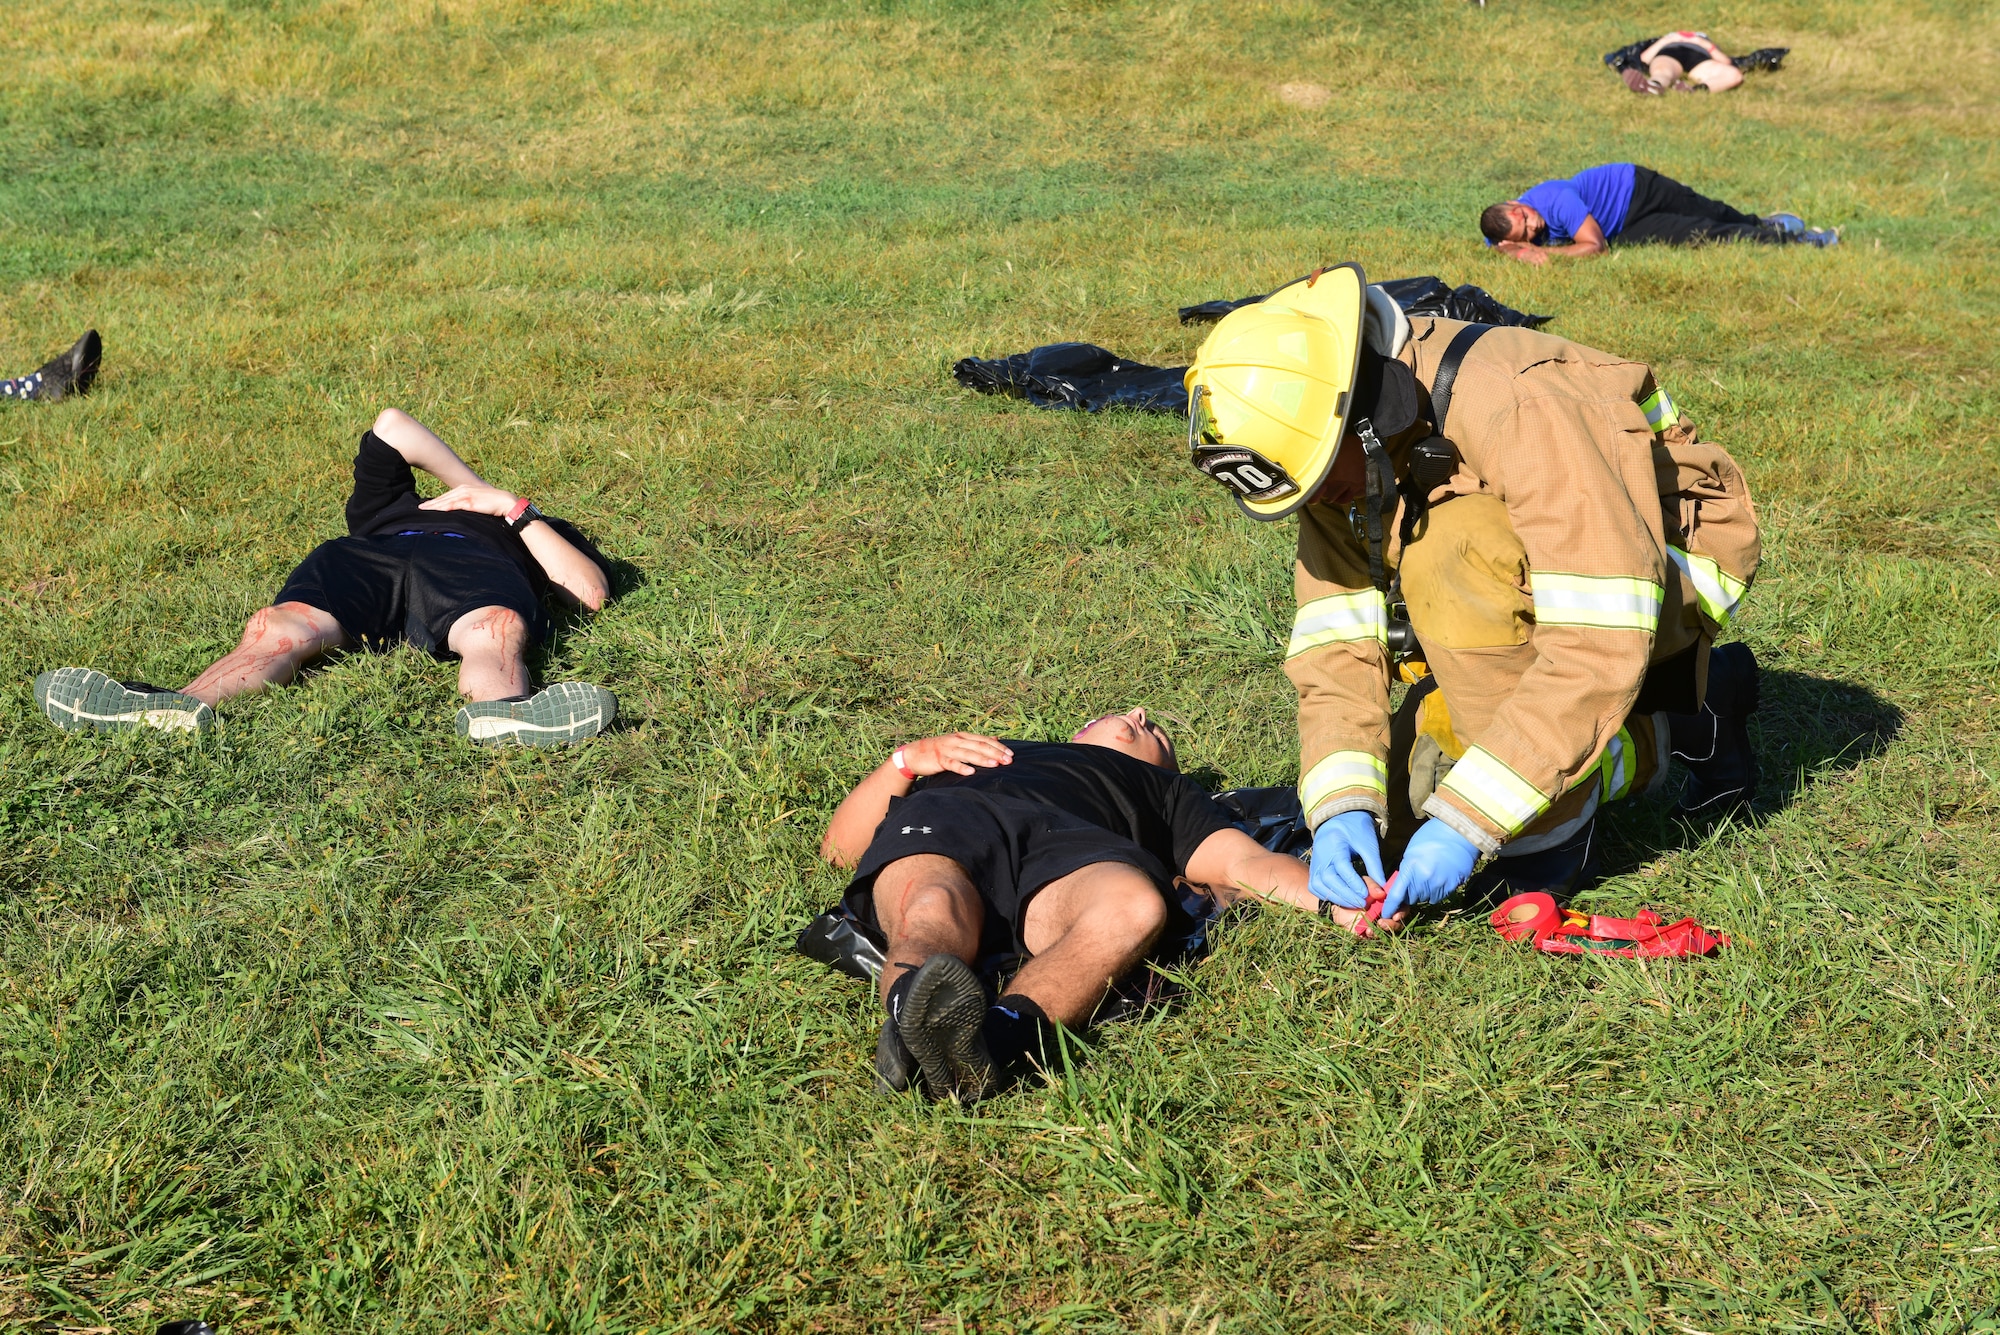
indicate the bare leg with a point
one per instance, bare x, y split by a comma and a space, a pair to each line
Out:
1085, 931
927, 906
1663, 70
277, 642
492, 643
1719, 75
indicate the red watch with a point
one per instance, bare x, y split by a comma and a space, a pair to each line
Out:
523, 514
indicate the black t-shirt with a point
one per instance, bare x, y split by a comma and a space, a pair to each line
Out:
385, 503
1165, 813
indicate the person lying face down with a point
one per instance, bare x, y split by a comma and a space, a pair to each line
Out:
461, 575
1057, 860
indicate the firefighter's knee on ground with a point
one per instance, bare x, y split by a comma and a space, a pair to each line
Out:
1465, 577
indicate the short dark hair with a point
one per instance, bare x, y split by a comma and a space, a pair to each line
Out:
1494, 223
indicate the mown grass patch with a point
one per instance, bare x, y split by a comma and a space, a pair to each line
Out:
333, 1024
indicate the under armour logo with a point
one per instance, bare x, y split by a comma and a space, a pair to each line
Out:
915, 829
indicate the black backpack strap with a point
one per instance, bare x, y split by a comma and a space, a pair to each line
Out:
1382, 494
1447, 372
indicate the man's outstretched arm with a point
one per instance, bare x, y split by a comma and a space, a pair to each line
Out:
854, 821
1231, 865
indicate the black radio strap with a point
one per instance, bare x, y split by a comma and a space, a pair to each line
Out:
1447, 372
1380, 482
1380, 475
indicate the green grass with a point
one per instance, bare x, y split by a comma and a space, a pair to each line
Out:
333, 1024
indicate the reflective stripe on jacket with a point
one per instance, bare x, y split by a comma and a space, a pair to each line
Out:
1621, 511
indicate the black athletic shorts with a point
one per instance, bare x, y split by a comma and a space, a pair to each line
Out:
1686, 53
1010, 848
411, 587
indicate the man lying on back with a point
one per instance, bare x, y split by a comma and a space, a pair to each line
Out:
462, 575
1055, 861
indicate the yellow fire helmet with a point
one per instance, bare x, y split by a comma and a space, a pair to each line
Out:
1270, 390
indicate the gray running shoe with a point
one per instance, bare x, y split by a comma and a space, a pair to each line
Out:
1822, 237
84, 700
567, 711
1791, 224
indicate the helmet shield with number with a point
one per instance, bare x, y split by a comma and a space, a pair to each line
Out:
1270, 390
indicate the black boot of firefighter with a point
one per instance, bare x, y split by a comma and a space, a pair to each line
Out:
1561, 871
1715, 743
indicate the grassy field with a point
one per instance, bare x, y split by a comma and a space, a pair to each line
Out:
332, 1024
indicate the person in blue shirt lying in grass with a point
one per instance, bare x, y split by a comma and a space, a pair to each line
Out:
1620, 202
462, 575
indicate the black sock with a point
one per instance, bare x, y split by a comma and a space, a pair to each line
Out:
899, 990
1016, 1032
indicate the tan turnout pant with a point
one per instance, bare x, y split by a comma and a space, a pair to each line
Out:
1466, 580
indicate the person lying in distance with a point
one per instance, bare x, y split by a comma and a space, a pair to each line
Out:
462, 575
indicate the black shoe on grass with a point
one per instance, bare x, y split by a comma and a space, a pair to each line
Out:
1715, 744
895, 1068
567, 711
942, 1023
73, 372
84, 700
1560, 871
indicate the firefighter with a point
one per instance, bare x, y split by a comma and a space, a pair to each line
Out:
1568, 552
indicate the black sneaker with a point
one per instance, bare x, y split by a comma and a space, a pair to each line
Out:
942, 1023
1715, 744
84, 700
1560, 871
567, 711
894, 1066
73, 372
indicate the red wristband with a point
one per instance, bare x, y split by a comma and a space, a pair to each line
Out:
901, 768
520, 508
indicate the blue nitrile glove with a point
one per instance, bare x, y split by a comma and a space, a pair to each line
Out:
1437, 862
1336, 843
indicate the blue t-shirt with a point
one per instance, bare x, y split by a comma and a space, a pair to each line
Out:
1603, 193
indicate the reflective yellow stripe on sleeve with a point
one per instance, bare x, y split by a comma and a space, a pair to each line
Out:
1338, 619
1716, 591
1660, 411
1341, 770
1504, 798
1607, 602
1615, 766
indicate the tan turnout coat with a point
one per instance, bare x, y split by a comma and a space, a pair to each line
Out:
1639, 538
